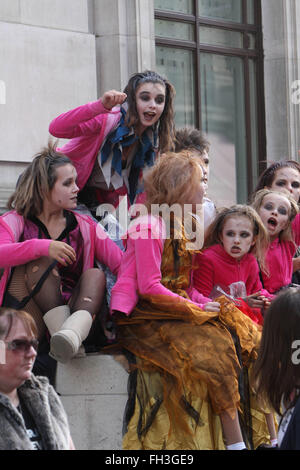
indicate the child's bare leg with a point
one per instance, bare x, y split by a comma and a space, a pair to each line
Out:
271, 427
232, 430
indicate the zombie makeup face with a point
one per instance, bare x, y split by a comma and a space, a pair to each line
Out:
237, 236
274, 212
150, 103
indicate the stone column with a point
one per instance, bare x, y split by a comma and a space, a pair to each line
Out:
125, 43
281, 19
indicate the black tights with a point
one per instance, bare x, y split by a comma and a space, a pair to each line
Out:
87, 295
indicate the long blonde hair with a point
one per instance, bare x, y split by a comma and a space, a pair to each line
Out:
36, 182
262, 240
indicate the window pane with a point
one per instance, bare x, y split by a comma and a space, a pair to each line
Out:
230, 10
250, 12
174, 29
251, 41
220, 37
254, 136
178, 66
223, 120
182, 6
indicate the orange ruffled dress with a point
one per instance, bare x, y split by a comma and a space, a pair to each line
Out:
190, 365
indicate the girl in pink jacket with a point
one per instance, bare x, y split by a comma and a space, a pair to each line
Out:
111, 144
277, 211
54, 249
228, 260
284, 175
186, 367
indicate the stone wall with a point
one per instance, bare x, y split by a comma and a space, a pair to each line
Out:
281, 21
56, 55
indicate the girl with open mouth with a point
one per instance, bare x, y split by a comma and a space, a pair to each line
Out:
284, 176
277, 211
233, 242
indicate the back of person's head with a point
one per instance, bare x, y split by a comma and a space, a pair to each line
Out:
287, 233
166, 122
9, 315
277, 369
213, 235
267, 177
36, 182
189, 138
173, 178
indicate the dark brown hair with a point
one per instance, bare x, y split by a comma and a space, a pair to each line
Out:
275, 372
267, 177
190, 138
166, 121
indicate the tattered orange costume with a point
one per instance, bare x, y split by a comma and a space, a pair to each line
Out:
188, 366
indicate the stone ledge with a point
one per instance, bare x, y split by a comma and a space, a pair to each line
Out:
95, 421
95, 374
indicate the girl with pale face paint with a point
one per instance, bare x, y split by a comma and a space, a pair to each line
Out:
277, 211
284, 176
117, 137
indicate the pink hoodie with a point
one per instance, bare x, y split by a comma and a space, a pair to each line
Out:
218, 268
87, 126
140, 268
280, 264
13, 253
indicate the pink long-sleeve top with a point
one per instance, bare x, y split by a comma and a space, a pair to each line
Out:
87, 126
280, 264
218, 268
97, 245
140, 268
296, 229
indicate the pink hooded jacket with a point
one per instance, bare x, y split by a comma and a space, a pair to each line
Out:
13, 253
218, 268
140, 268
87, 126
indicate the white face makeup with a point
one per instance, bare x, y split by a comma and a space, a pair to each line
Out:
287, 179
274, 213
65, 190
150, 103
237, 236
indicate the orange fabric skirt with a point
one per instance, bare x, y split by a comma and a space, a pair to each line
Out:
193, 358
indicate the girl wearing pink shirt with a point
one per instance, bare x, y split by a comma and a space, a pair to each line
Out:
234, 242
116, 137
53, 249
184, 391
277, 211
285, 176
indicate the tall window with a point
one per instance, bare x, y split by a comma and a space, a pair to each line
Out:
211, 50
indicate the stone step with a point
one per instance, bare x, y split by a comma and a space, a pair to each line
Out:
93, 390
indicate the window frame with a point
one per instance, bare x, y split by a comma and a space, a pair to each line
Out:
245, 53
